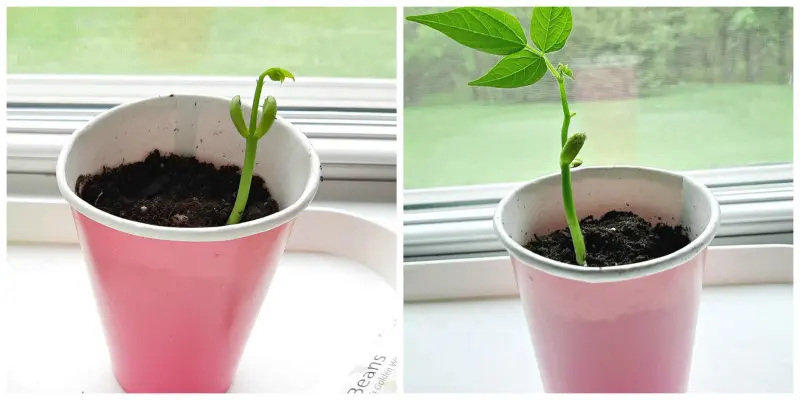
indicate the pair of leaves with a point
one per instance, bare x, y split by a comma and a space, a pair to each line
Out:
267, 117
257, 131
497, 32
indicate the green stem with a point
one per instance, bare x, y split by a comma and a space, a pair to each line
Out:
256, 99
246, 179
560, 78
551, 68
566, 173
572, 217
565, 107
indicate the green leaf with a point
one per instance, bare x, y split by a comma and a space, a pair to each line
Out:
267, 117
279, 74
550, 27
572, 148
489, 30
236, 116
520, 69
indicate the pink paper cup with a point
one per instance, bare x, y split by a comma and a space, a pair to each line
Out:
177, 304
621, 329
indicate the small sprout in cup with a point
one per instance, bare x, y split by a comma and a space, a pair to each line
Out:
252, 134
495, 31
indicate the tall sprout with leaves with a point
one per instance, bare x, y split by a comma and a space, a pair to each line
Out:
252, 134
497, 32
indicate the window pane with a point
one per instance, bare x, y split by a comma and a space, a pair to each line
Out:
320, 42
676, 88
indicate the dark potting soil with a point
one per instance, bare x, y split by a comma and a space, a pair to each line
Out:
174, 191
617, 238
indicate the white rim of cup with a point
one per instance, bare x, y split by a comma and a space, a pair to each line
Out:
618, 272
212, 234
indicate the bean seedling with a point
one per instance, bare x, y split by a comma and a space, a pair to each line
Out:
497, 32
253, 134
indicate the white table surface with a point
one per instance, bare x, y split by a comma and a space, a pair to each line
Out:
743, 344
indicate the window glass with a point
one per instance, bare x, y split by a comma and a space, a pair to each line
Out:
676, 88
319, 42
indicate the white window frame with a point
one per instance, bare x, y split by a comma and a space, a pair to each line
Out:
94, 90
451, 251
352, 124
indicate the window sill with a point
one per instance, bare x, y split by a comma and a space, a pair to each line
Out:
743, 344
456, 222
494, 277
472, 345
76, 358
352, 124
316, 93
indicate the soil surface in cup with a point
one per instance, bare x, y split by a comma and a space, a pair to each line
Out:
617, 238
174, 191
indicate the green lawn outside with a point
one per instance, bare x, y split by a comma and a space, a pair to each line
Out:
686, 128
323, 42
